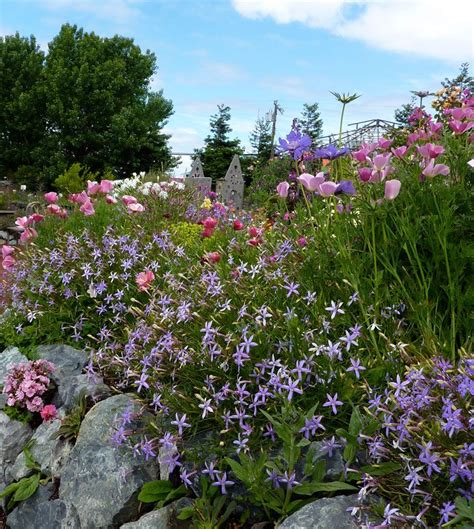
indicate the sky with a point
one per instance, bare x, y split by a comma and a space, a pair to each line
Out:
248, 53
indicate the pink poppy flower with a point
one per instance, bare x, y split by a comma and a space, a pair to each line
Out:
51, 198
49, 412
22, 222
301, 241
54, 209
255, 241
128, 199
8, 262
28, 233
365, 173
79, 198
238, 225
253, 231
110, 199
429, 150
209, 223
7, 250
433, 169
400, 152
392, 188
87, 208
135, 208
36, 217
310, 182
327, 189
282, 189
384, 143
144, 279
106, 186
92, 187
206, 233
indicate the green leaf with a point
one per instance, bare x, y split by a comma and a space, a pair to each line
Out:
319, 471
355, 424
304, 442
238, 470
381, 469
27, 487
465, 508
311, 488
155, 490
350, 452
10, 489
186, 513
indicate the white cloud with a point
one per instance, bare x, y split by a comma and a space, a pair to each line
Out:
429, 28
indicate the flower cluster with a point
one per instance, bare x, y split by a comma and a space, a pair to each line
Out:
26, 383
426, 433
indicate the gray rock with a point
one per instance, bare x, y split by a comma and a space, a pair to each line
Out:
326, 513
164, 518
13, 437
71, 388
10, 357
47, 450
100, 480
334, 463
39, 512
68, 361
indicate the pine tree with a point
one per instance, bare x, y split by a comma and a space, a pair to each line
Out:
402, 113
218, 147
463, 80
311, 122
261, 140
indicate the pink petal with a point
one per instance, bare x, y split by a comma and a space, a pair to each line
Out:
392, 188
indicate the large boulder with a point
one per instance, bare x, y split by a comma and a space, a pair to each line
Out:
100, 480
13, 437
39, 511
165, 518
9, 358
68, 361
326, 513
46, 449
71, 388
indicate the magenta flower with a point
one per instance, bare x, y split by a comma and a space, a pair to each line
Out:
92, 187
392, 188
429, 150
282, 189
459, 127
365, 173
144, 279
51, 198
327, 189
432, 170
87, 208
49, 412
400, 152
380, 167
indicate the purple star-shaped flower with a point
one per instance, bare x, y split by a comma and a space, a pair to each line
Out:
333, 403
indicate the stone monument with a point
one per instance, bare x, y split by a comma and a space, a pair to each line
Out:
196, 178
231, 188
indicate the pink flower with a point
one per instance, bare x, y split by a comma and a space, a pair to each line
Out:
49, 412
213, 257
392, 188
207, 232
400, 152
87, 208
8, 262
432, 170
429, 150
282, 189
327, 188
106, 186
310, 182
79, 198
209, 223
380, 167
92, 187
365, 173
459, 127
128, 199
22, 222
110, 199
28, 233
301, 241
384, 143
238, 225
54, 209
253, 231
255, 241
51, 198
135, 208
144, 279
7, 250
36, 217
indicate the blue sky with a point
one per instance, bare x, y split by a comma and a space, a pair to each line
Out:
246, 53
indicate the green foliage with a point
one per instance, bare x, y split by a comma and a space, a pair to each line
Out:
261, 140
311, 122
71, 424
402, 113
88, 101
207, 511
218, 147
465, 513
17, 414
160, 492
72, 180
265, 178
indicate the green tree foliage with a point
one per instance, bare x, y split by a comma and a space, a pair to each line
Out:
92, 105
311, 122
218, 147
463, 80
402, 113
261, 140
22, 116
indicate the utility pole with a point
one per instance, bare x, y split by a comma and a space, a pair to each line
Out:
276, 109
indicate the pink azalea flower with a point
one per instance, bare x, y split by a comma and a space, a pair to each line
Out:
144, 279
128, 199
49, 412
432, 170
400, 152
327, 188
87, 208
135, 208
110, 199
310, 182
392, 188
282, 189
51, 198
106, 186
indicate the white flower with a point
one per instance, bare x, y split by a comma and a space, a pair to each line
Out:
23, 188
471, 163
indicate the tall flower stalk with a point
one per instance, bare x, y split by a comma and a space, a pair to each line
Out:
345, 99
